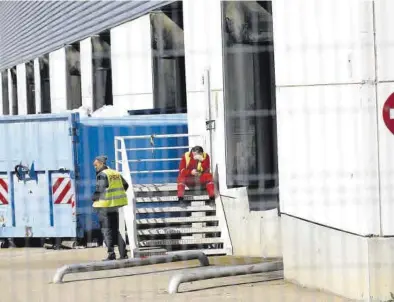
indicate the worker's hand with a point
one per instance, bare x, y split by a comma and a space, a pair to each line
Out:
198, 157
194, 172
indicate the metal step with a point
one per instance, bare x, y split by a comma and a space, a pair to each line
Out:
170, 187
208, 252
175, 230
155, 187
169, 194
177, 220
148, 252
176, 209
171, 198
168, 242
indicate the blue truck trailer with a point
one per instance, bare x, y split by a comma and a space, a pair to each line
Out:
46, 172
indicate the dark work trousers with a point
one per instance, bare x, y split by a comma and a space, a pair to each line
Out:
109, 223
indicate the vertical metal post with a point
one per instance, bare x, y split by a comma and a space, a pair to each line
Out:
209, 121
122, 223
129, 211
116, 155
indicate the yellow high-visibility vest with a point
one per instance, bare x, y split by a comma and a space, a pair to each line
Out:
114, 195
199, 167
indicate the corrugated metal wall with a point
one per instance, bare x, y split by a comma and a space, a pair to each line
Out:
30, 29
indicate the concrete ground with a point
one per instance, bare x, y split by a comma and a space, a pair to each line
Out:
26, 276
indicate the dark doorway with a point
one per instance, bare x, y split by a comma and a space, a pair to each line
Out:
102, 70
43, 63
249, 78
5, 92
168, 51
30, 88
14, 92
73, 76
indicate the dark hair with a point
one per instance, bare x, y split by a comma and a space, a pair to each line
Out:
198, 149
102, 159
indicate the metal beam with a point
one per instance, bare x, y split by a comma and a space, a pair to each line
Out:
119, 264
222, 271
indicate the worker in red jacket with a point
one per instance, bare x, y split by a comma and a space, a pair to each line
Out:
194, 170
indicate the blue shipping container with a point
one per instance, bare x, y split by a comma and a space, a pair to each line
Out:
46, 171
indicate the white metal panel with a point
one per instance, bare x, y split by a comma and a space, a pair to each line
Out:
37, 82
140, 55
384, 39
121, 64
22, 93
386, 161
86, 73
327, 152
131, 59
196, 59
323, 41
203, 43
31, 203
37, 134
57, 75
203, 49
133, 101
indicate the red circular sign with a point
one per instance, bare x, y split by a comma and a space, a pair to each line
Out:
388, 113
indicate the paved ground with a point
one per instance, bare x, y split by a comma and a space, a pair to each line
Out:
26, 274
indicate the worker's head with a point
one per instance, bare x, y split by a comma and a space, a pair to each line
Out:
100, 162
197, 152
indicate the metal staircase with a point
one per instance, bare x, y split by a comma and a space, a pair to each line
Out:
155, 219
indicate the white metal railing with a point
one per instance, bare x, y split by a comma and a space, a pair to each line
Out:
152, 138
122, 164
127, 215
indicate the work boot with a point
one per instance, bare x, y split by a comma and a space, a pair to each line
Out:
123, 257
110, 257
182, 202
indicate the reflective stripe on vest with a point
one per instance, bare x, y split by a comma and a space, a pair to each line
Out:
114, 195
199, 166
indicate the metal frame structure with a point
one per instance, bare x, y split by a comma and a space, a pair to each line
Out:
123, 149
127, 263
127, 216
122, 165
221, 271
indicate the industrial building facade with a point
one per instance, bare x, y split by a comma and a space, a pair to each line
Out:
60, 56
32, 29
289, 93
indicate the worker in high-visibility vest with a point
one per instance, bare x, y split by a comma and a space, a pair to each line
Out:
110, 195
194, 170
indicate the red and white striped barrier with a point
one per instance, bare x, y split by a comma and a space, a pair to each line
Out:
62, 191
3, 191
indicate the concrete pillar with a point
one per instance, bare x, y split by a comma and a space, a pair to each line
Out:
86, 73
131, 57
203, 50
37, 84
57, 74
22, 94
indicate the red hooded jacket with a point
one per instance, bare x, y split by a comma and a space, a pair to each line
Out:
205, 164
